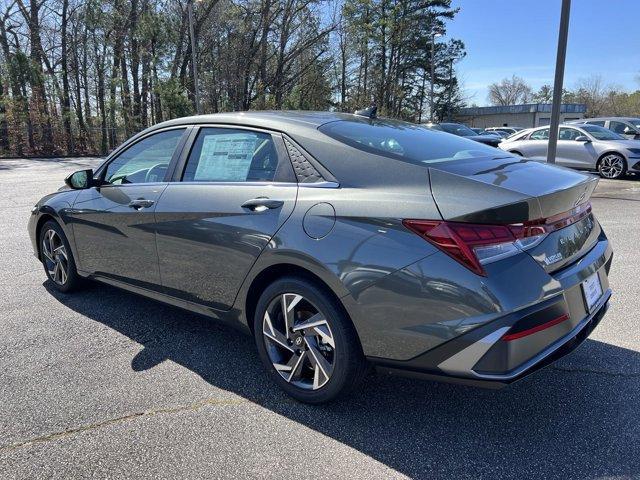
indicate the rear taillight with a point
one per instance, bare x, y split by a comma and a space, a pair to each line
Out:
474, 245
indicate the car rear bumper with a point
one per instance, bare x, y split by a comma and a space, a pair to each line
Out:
549, 355
492, 355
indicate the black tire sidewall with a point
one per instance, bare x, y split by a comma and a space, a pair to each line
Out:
348, 353
73, 280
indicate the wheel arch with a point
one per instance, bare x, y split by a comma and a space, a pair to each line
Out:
44, 218
272, 273
609, 152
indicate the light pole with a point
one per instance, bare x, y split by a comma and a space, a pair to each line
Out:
194, 57
557, 83
433, 52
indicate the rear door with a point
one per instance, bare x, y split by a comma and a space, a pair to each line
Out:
535, 147
230, 194
571, 153
113, 223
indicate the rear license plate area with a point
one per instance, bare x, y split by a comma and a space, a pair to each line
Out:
591, 291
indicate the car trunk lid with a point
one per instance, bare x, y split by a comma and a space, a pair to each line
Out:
506, 191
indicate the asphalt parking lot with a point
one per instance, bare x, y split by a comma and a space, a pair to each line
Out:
106, 384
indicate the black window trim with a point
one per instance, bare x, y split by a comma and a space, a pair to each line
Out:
102, 169
178, 171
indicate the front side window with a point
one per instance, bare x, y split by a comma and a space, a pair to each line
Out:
145, 161
540, 134
601, 133
404, 141
231, 155
569, 134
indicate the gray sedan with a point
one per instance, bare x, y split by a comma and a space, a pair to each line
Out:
340, 241
586, 147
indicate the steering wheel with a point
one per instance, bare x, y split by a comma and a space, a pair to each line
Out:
156, 173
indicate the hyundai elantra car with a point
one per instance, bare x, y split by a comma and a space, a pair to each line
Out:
341, 241
585, 147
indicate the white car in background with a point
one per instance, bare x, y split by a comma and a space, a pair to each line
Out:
584, 147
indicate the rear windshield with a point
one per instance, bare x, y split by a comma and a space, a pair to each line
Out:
406, 141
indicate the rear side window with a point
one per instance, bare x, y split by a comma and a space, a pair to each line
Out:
599, 123
540, 134
404, 141
231, 155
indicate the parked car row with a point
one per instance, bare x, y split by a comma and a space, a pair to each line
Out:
582, 146
463, 131
610, 146
629, 127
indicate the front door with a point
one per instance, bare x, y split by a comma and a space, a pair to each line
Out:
113, 223
237, 189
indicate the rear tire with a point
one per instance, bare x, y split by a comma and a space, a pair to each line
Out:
612, 166
57, 259
312, 352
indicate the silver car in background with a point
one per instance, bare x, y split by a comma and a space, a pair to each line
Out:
585, 147
626, 126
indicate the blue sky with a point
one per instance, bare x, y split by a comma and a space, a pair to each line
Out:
505, 37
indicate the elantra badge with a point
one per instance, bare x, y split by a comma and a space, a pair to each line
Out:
556, 257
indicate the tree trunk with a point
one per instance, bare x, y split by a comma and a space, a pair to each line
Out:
64, 65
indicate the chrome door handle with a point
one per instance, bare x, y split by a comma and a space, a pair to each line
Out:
261, 204
141, 203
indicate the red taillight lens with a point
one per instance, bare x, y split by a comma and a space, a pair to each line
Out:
473, 244
459, 239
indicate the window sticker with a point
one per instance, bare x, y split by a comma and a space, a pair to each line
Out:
226, 157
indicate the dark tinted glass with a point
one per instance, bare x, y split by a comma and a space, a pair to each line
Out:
458, 129
601, 133
230, 155
405, 141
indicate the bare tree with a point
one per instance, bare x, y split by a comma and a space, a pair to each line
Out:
510, 91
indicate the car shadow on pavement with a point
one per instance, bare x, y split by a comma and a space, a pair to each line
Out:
578, 418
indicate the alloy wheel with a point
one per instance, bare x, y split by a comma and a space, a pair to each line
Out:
55, 257
299, 341
611, 166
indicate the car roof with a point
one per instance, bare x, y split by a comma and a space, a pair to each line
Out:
281, 120
609, 118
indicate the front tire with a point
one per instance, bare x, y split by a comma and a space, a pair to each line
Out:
612, 166
307, 342
57, 259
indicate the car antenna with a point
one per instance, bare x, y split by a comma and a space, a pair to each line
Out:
369, 112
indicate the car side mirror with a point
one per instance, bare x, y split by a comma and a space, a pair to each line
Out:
80, 180
583, 138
